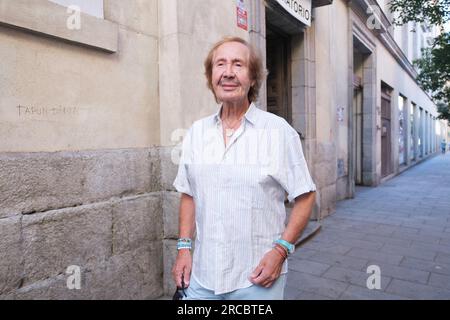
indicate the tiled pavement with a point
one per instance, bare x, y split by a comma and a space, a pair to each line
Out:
402, 226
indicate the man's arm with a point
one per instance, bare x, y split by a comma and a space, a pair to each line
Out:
187, 216
183, 263
269, 269
299, 217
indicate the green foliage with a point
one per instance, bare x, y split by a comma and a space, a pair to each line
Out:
435, 12
444, 111
434, 66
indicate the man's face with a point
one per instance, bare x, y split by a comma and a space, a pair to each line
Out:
230, 74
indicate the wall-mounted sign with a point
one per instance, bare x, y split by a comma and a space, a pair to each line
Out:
340, 114
299, 9
242, 15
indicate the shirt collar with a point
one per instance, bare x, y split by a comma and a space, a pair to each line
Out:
250, 115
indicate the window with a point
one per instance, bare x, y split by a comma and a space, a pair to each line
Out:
91, 7
420, 135
401, 130
412, 126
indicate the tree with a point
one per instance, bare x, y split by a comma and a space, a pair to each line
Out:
434, 66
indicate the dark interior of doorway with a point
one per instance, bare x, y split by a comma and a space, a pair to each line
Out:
278, 79
386, 139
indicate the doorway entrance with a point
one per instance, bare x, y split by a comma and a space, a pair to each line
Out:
386, 139
279, 78
357, 129
362, 114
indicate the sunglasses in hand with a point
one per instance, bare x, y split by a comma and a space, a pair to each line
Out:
180, 293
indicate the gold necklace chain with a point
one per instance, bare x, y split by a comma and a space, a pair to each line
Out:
230, 130
236, 121
234, 124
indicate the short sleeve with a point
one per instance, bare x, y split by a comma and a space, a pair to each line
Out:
181, 182
294, 175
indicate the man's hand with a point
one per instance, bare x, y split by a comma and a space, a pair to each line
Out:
183, 265
268, 270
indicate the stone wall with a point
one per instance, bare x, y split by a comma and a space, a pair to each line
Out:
59, 95
80, 176
170, 205
99, 210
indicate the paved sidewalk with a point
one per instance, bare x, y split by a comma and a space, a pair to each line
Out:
403, 227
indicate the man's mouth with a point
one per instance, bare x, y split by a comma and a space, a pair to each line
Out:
229, 85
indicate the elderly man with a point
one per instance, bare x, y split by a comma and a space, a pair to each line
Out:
236, 168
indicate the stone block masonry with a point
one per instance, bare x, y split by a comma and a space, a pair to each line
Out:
98, 210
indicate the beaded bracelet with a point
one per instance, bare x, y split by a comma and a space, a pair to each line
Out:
184, 243
277, 245
281, 252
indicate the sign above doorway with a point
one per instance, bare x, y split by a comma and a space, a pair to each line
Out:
299, 9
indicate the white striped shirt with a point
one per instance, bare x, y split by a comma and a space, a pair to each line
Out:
239, 192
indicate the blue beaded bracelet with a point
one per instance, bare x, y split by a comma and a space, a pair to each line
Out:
290, 248
184, 243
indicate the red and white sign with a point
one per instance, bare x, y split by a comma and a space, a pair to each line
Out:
242, 15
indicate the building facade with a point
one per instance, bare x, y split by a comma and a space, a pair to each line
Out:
96, 96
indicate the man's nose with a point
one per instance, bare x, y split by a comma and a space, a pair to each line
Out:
229, 73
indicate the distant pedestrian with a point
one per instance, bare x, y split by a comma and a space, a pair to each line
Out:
443, 146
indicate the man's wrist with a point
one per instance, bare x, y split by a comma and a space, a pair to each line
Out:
281, 251
290, 248
184, 244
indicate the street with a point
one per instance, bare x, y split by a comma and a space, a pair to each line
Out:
402, 226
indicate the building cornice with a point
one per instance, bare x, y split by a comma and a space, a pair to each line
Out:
370, 9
